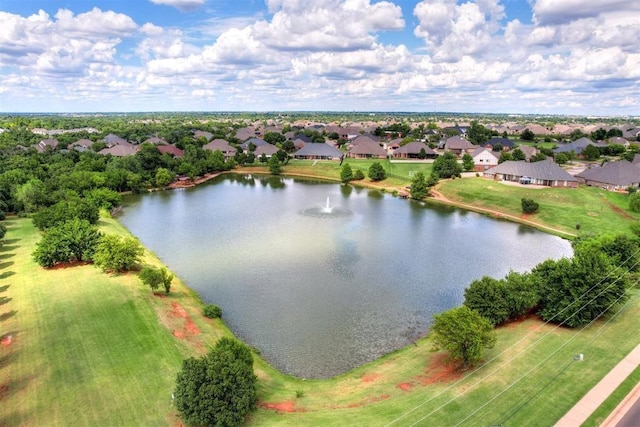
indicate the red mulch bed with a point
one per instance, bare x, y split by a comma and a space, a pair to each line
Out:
367, 378
440, 370
6, 340
288, 406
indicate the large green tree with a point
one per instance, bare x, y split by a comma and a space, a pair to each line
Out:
464, 334
575, 292
419, 188
467, 162
218, 389
69, 241
346, 173
447, 165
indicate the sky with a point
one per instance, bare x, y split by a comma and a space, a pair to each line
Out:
569, 57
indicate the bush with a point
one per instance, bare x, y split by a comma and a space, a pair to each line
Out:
117, 254
377, 172
529, 206
358, 175
634, 201
218, 389
156, 277
212, 311
70, 241
346, 173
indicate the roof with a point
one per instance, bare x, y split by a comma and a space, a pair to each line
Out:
220, 144
577, 146
458, 143
120, 150
414, 147
201, 133
112, 139
85, 143
267, 150
155, 140
170, 149
545, 170
528, 150
42, 145
367, 146
258, 142
621, 173
505, 142
363, 139
636, 159
319, 150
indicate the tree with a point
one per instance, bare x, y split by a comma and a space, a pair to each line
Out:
518, 155
463, 333
527, 135
419, 188
156, 277
529, 206
164, 177
634, 201
561, 158
487, 297
447, 166
467, 162
31, 195
65, 210
504, 156
477, 133
69, 241
117, 254
377, 172
591, 152
577, 291
274, 137
274, 166
346, 173
218, 389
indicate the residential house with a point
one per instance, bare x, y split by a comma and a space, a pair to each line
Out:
391, 146
545, 172
364, 146
618, 140
577, 146
46, 144
112, 140
321, 150
257, 142
171, 149
120, 150
612, 175
82, 145
528, 151
155, 141
223, 146
458, 145
483, 159
202, 134
247, 132
268, 150
506, 143
413, 150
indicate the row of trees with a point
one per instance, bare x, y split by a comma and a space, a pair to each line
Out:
570, 292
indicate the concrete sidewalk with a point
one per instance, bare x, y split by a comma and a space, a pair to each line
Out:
599, 393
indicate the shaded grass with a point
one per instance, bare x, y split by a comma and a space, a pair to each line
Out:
594, 209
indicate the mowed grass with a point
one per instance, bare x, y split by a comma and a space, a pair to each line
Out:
93, 349
594, 209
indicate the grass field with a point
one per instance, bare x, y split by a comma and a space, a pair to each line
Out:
91, 349
596, 210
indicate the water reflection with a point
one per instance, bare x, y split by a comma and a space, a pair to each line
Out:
317, 296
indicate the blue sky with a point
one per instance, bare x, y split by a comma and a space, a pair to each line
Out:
496, 56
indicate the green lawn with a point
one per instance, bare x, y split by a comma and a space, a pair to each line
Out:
93, 349
594, 209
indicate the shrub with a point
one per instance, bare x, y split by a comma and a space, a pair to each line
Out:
377, 172
218, 389
117, 254
358, 175
212, 311
634, 201
346, 173
156, 277
529, 206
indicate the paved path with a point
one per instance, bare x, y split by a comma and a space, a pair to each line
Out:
599, 393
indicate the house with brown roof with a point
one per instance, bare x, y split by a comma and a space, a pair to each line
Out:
483, 159
528, 151
268, 150
413, 150
364, 147
545, 173
46, 144
171, 149
112, 140
221, 145
458, 145
155, 141
612, 175
202, 134
120, 150
82, 145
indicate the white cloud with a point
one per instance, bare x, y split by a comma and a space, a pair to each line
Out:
181, 5
94, 23
564, 11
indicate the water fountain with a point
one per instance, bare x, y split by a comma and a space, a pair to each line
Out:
326, 211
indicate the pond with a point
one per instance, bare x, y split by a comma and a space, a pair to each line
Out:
322, 277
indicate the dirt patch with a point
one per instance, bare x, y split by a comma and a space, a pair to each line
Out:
405, 386
63, 265
178, 311
4, 390
440, 370
6, 340
191, 327
288, 406
367, 378
620, 211
178, 334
